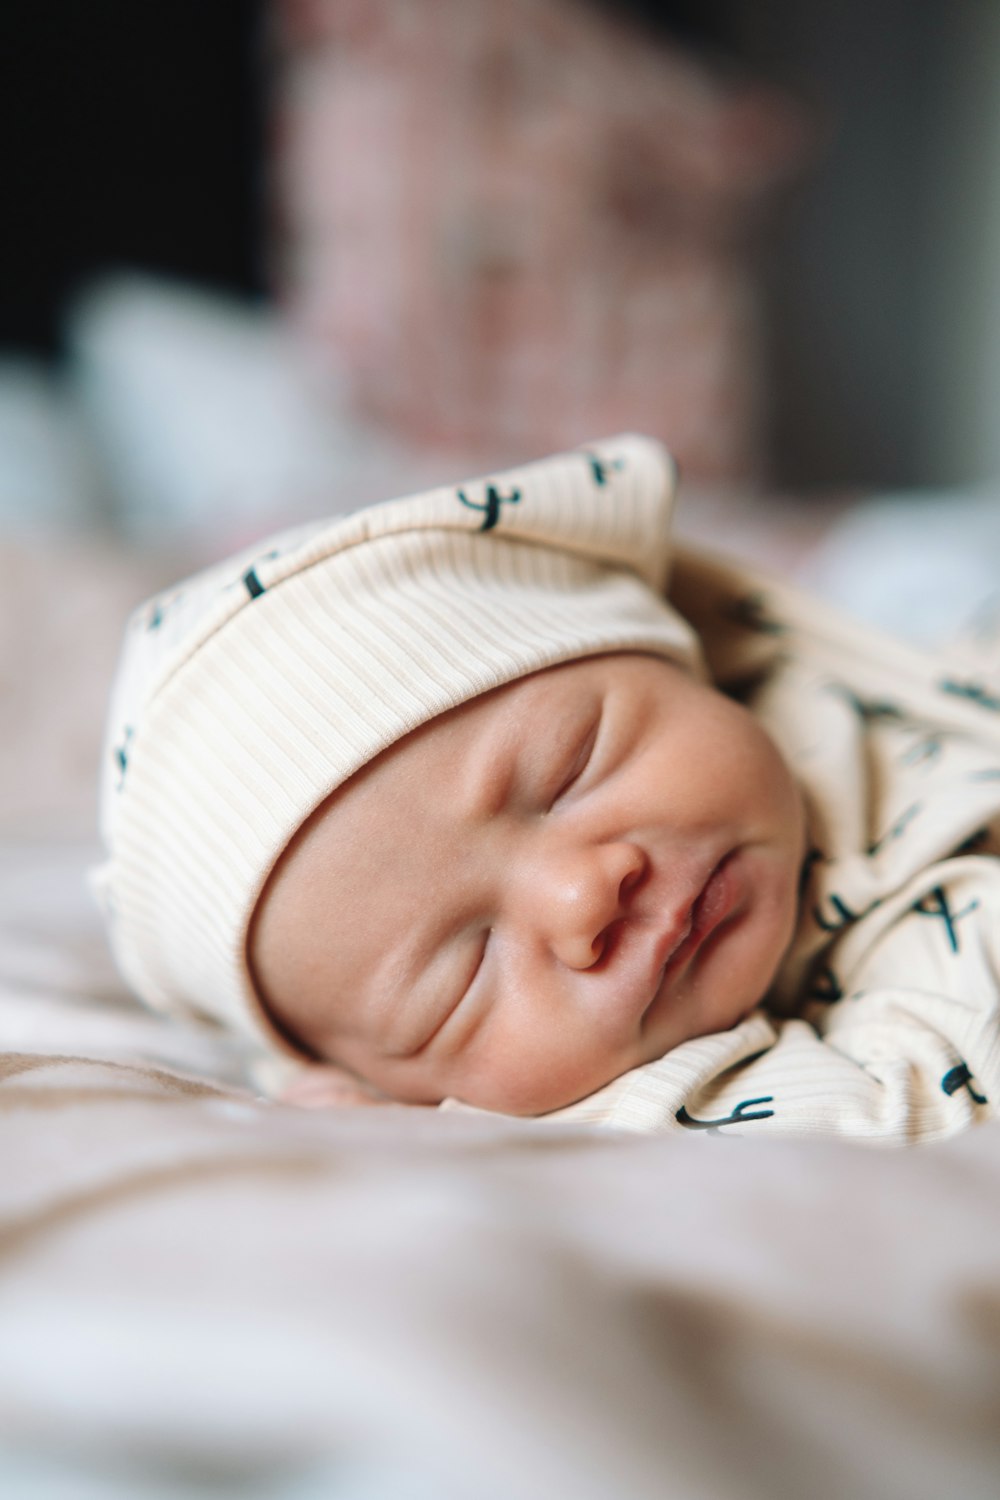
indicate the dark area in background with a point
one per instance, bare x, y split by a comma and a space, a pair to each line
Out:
132, 132
851, 263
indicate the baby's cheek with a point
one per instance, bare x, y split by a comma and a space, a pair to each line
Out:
517, 1080
770, 934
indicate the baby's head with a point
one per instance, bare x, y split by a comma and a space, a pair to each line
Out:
538, 890
439, 793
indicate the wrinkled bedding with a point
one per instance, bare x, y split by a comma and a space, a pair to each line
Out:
205, 1293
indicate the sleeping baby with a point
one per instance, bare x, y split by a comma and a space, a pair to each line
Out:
493, 798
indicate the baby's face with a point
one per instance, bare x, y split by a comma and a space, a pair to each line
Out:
538, 891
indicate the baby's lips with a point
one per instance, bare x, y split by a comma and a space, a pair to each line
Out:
708, 908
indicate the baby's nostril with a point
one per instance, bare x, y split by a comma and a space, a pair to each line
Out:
604, 945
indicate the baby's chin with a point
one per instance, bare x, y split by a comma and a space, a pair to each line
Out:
518, 1083
528, 1099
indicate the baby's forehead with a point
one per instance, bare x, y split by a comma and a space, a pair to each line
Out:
430, 768
425, 770
533, 702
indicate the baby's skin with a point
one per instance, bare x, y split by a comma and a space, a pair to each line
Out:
534, 893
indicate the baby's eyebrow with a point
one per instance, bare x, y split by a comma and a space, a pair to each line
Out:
486, 788
509, 756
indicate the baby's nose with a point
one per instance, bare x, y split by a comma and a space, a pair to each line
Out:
585, 893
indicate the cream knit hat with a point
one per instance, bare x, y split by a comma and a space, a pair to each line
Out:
250, 692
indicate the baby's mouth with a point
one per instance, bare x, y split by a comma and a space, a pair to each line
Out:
709, 909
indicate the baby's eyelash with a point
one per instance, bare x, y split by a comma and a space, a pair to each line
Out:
482, 955
457, 998
580, 762
477, 969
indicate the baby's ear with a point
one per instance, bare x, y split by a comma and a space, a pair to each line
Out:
325, 1086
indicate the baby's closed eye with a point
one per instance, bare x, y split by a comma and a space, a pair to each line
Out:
582, 755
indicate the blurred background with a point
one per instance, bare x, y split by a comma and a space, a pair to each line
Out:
265, 260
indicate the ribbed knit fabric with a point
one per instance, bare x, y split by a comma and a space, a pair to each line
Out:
249, 693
